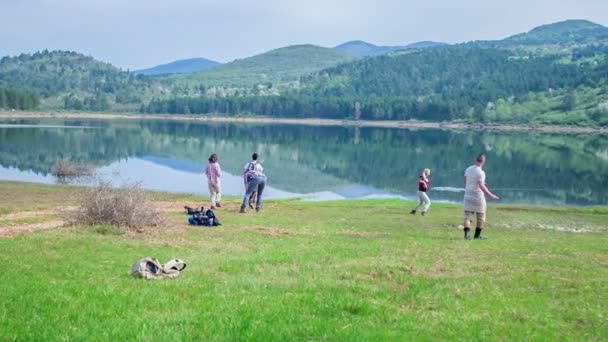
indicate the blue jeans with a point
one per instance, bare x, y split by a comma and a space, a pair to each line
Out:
258, 182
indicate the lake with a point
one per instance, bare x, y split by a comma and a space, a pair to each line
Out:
312, 162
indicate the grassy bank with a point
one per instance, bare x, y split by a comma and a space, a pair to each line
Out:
355, 270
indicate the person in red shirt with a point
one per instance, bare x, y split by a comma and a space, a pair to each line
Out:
424, 185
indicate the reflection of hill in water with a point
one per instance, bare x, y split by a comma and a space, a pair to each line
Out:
180, 165
285, 179
361, 191
556, 168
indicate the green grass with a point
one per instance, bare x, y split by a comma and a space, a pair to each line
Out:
19, 197
345, 270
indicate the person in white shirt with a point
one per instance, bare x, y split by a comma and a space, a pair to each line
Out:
474, 197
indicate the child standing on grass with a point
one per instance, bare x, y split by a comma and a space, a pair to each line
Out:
424, 185
214, 172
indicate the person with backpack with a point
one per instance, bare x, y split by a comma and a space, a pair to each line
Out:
214, 173
255, 181
424, 185
252, 165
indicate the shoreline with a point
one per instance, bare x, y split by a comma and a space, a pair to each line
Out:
167, 195
311, 122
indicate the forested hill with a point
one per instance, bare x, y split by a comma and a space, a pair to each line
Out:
555, 73
15, 98
564, 34
284, 64
74, 81
454, 72
364, 49
445, 83
184, 66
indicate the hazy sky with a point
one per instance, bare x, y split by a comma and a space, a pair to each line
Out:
141, 33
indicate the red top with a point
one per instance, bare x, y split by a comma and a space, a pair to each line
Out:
423, 184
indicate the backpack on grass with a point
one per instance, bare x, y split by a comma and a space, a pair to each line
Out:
151, 268
207, 218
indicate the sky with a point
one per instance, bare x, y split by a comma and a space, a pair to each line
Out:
135, 34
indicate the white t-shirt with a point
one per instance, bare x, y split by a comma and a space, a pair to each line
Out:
475, 175
474, 198
253, 166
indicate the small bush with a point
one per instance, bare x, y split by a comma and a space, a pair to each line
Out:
65, 168
127, 206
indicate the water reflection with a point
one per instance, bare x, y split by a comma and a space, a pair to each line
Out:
313, 162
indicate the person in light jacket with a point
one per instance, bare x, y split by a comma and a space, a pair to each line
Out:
214, 173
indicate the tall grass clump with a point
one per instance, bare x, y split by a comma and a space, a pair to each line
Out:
127, 206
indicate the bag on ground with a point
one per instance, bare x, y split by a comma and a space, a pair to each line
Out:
151, 268
208, 218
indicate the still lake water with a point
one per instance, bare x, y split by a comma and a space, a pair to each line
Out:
313, 162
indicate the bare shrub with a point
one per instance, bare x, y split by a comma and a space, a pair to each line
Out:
65, 168
127, 206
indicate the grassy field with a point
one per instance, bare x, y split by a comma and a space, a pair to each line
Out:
344, 270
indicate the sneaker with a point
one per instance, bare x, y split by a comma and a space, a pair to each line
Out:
218, 205
413, 212
481, 237
424, 213
242, 211
467, 235
257, 209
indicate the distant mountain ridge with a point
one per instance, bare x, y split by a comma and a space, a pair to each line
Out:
183, 66
567, 33
283, 64
360, 48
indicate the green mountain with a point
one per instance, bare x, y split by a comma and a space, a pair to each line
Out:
465, 82
564, 34
71, 80
364, 49
554, 73
184, 66
280, 65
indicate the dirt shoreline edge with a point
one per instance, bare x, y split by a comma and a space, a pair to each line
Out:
8, 115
